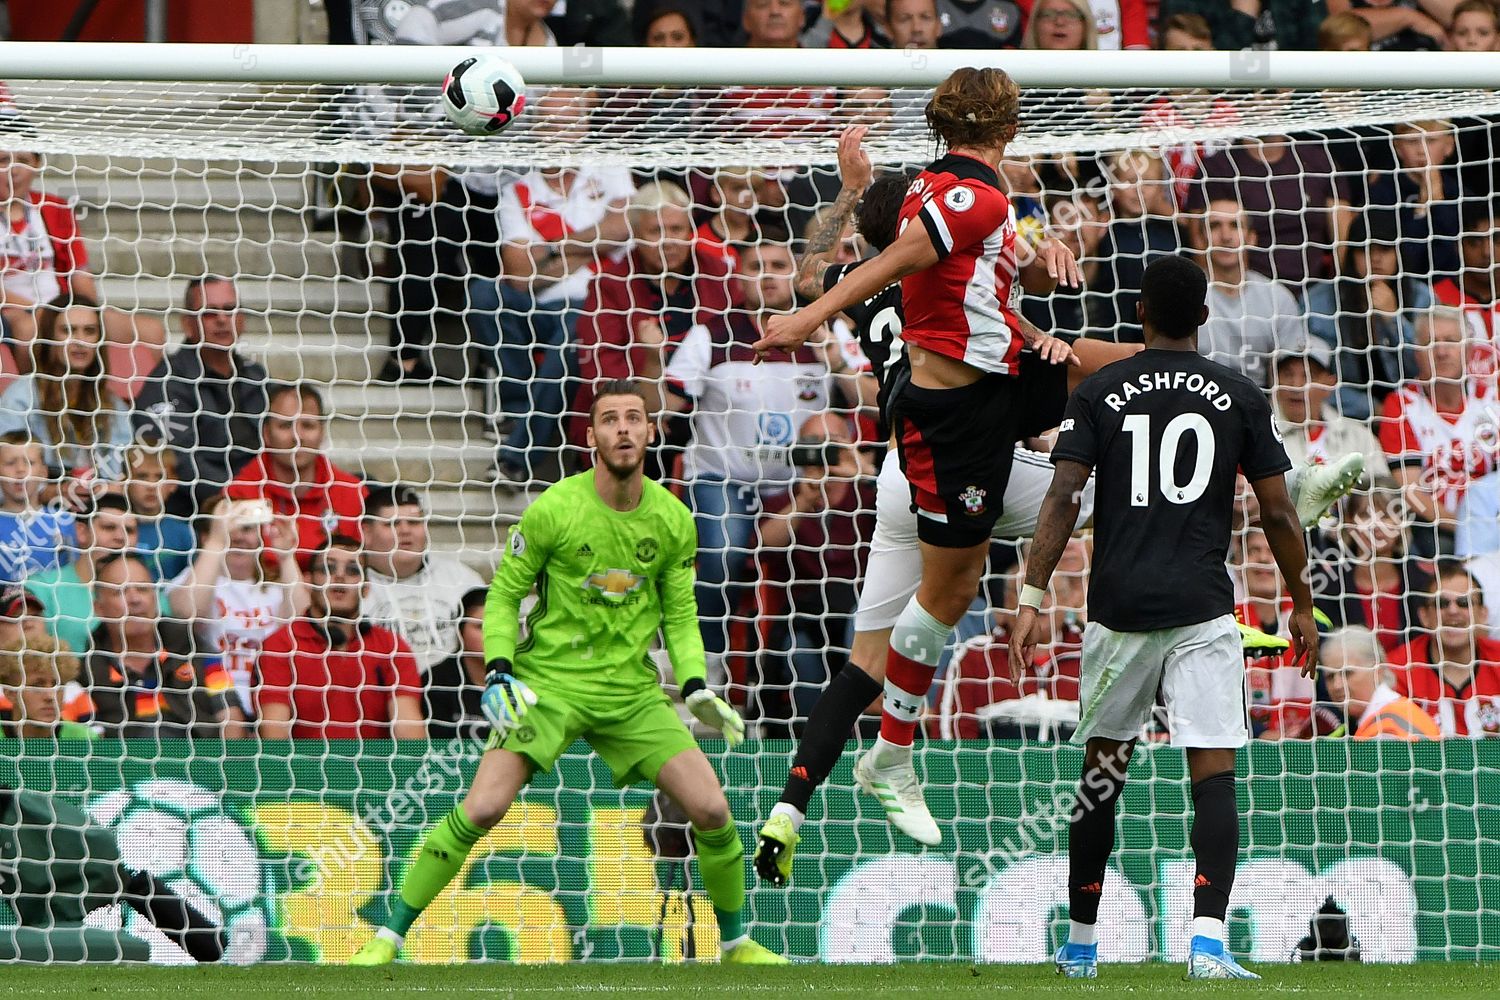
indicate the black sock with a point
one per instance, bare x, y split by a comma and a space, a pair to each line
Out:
827, 730
1091, 840
182, 923
1216, 844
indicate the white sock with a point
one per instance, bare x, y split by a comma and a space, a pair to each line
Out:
391, 936
886, 753
727, 946
1209, 927
791, 812
1081, 933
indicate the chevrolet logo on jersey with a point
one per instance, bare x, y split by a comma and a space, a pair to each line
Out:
614, 584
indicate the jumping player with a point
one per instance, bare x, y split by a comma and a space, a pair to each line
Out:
1166, 433
895, 561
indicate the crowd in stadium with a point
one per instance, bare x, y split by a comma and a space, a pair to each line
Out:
181, 557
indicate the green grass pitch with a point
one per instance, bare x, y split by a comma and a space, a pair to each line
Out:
1433, 981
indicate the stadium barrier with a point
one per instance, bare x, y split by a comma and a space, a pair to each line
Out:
299, 843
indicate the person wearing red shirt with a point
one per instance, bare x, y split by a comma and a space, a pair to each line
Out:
295, 476
960, 410
43, 257
1453, 671
331, 675
644, 302
1474, 290
1438, 429
1369, 579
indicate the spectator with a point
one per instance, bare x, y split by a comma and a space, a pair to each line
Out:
772, 24
1453, 671
1475, 27
1359, 688
912, 24
981, 24
39, 691
295, 475
331, 675
1346, 32
66, 404
1371, 579
205, 399
1364, 314
43, 260
23, 620
412, 591
420, 209
1289, 190
1186, 33
33, 536
1281, 699
590, 22
716, 23
525, 23
145, 675
453, 22
166, 540
670, 26
747, 206
1478, 530
1476, 291
744, 421
106, 528
1423, 193
1121, 24
455, 686
1256, 24
643, 303
1250, 317
556, 223
1312, 432
1060, 25
1437, 429
1141, 225
854, 26
814, 541
1401, 25
240, 588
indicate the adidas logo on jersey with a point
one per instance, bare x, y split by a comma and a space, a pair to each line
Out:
584, 550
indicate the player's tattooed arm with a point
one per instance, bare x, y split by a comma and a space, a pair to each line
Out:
856, 174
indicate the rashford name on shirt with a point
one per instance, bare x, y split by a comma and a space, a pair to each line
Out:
1194, 382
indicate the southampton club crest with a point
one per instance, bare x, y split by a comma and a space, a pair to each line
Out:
973, 499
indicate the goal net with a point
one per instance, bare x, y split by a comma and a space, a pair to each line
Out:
452, 300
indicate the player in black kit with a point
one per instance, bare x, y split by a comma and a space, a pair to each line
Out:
1164, 433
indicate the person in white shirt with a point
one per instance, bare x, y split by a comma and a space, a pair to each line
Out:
1312, 431
744, 419
243, 585
413, 592
555, 223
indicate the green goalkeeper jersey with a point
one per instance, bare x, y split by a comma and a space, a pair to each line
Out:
606, 581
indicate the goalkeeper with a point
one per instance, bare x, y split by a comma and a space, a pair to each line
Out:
611, 554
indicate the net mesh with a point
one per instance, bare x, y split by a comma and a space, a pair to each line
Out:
347, 252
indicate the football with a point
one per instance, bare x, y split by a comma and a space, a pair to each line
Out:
178, 832
483, 95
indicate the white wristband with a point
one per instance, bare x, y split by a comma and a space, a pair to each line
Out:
1031, 597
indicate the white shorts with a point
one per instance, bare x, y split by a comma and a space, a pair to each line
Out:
894, 568
1199, 669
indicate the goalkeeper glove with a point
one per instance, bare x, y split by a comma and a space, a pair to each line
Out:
713, 711
505, 700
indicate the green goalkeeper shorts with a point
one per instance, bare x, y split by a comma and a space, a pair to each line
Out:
635, 733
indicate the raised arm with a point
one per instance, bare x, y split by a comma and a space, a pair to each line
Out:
856, 174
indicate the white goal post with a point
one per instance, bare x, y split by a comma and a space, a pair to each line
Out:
255, 162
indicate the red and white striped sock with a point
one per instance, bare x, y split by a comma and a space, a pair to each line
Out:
917, 644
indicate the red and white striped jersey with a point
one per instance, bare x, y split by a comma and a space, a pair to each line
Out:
966, 306
1456, 447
